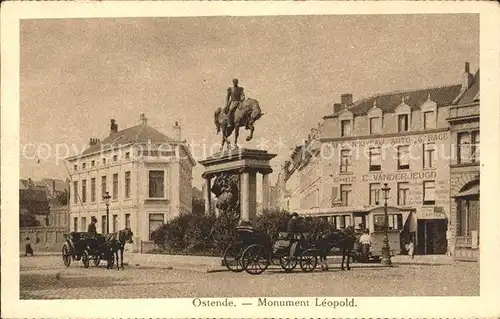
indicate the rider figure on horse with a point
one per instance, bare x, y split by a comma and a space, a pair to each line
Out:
234, 96
293, 231
92, 229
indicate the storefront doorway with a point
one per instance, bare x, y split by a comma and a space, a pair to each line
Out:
431, 236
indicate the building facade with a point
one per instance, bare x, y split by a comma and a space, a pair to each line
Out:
147, 174
402, 139
464, 170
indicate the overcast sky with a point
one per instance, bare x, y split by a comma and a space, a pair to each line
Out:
77, 74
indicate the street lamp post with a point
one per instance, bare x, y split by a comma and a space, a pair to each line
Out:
386, 253
106, 198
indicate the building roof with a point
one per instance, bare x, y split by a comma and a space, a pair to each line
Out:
472, 93
142, 133
443, 95
60, 185
33, 200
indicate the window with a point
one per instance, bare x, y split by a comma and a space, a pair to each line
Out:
340, 221
92, 163
429, 155
103, 224
84, 191
475, 147
468, 216
92, 189
403, 189
115, 186
75, 167
84, 223
403, 123
127, 155
375, 160
374, 193
394, 222
103, 161
156, 184
103, 186
75, 223
429, 193
75, 193
345, 161
359, 222
168, 153
345, 128
375, 125
403, 157
127, 184
429, 120
84, 165
115, 158
345, 190
115, 223
127, 221
155, 221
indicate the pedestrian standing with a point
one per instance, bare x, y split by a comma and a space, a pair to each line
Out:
29, 249
410, 247
365, 241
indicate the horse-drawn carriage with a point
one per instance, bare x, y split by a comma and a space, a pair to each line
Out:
254, 251
84, 247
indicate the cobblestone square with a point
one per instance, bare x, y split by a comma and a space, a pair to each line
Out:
45, 277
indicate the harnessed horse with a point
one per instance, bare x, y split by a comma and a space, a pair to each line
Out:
342, 239
117, 242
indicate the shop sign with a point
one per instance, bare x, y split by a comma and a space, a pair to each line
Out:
436, 212
399, 176
408, 140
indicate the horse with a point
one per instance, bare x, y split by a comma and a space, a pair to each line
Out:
246, 114
117, 242
342, 239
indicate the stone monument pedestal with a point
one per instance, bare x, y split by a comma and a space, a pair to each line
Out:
246, 163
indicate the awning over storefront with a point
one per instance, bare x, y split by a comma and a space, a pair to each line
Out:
410, 221
472, 191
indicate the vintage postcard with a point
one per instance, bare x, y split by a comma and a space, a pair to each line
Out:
250, 159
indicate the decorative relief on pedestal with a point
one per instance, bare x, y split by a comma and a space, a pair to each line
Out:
226, 189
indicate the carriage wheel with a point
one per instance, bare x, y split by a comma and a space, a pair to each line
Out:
308, 260
288, 263
97, 260
254, 259
66, 255
85, 259
232, 257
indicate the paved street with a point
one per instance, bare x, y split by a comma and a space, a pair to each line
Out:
45, 277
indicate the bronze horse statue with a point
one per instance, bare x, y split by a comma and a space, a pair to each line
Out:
245, 115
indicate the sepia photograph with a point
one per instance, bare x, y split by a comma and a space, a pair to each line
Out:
300, 160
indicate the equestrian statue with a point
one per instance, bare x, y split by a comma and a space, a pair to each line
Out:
238, 112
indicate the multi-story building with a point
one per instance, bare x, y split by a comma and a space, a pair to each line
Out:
399, 138
147, 174
464, 170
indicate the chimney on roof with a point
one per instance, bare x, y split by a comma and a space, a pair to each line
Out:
144, 120
177, 131
467, 77
346, 99
337, 107
113, 127
93, 141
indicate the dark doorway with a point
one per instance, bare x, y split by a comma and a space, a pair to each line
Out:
431, 236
